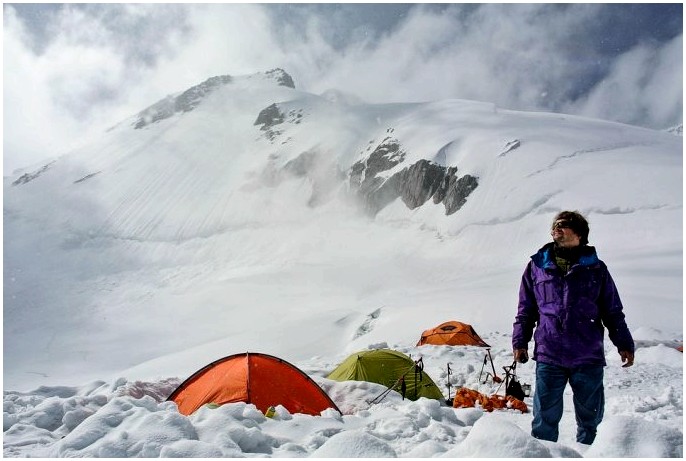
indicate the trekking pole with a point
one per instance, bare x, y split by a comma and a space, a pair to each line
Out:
449, 385
496, 379
418, 369
482, 369
400, 381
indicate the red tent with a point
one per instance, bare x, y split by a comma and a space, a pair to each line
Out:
260, 379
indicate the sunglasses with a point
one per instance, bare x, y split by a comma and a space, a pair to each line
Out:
562, 225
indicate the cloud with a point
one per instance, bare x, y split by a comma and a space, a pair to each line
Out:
526, 57
58, 93
82, 68
101, 64
644, 87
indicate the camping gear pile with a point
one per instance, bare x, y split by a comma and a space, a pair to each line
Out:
469, 398
267, 381
514, 391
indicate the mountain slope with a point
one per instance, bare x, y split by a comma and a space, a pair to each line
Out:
246, 214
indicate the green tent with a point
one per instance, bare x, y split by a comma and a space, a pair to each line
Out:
388, 367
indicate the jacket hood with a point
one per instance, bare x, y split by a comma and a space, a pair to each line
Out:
545, 258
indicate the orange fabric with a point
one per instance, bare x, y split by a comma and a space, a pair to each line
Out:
452, 334
273, 384
225, 382
259, 379
465, 398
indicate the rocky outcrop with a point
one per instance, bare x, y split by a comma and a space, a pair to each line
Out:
387, 155
455, 190
414, 185
189, 99
419, 182
185, 102
272, 116
379, 179
281, 77
28, 177
269, 116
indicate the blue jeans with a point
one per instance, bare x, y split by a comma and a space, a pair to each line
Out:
589, 400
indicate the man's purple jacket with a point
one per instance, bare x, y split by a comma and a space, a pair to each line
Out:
569, 311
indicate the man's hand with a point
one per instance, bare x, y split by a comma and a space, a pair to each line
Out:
521, 355
627, 357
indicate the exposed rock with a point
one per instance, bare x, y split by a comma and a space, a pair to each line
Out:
189, 99
387, 155
356, 174
419, 182
281, 77
88, 176
185, 102
458, 191
415, 184
380, 193
510, 146
159, 111
28, 177
368, 325
448, 180
269, 117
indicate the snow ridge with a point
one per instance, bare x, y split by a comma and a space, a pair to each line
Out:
189, 99
185, 102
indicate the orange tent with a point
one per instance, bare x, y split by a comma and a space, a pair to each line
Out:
452, 334
260, 379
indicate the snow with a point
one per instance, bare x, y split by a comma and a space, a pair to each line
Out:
133, 262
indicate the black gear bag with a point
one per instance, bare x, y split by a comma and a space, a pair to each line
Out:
513, 387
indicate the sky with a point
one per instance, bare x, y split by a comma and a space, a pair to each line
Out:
73, 70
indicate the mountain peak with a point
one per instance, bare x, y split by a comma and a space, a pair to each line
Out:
184, 102
192, 97
281, 77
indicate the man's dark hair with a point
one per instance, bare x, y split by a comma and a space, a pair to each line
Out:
576, 222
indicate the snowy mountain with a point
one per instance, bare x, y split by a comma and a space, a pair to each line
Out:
244, 214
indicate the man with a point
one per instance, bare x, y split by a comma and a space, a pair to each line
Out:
568, 294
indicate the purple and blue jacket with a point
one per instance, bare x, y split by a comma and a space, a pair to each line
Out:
569, 311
